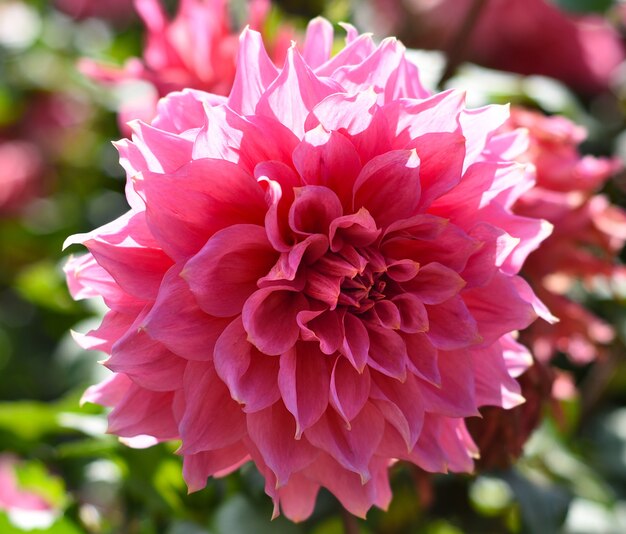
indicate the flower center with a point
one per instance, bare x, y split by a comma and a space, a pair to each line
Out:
362, 291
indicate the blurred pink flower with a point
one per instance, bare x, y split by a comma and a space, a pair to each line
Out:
20, 504
196, 50
115, 10
20, 175
523, 36
317, 273
589, 233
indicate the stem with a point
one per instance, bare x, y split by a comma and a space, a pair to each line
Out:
350, 523
458, 47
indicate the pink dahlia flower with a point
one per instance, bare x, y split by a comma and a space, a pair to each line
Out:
523, 36
589, 232
317, 274
197, 49
114, 10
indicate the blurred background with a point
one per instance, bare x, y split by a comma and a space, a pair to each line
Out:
72, 72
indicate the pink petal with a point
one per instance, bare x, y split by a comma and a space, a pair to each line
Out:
401, 405
318, 42
356, 344
294, 93
272, 431
387, 353
313, 209
330, 159
147, 362
435, 283
452, 325
297, 497
250, 376
349, 389
224, 274
353, 448
358, 229
212, 420
498, 308
269, 317
413, 315
255, 72
389, 186
423, 357
197, 468
325, 327
143, 412
216, 194
456, 396
177, 321
494, 384
304, 380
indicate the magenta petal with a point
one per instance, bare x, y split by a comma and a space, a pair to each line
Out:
354, 495
304, 380
356, 344
435, 283
216, 194
313, 209
212, 420
269, 317
143, 412
250, 376
272, 432
456, 396
200, 466
353, 448
329, 159
494, 385
498, 308
108, 392
289, 264
358, 229
326, 327
177, 321
147, 362
441, 156
423, 357
388, 314
349, 389
387, 352
297, 497
413, 315
389, 186
126, 249
401, 405
225, 272
452, 325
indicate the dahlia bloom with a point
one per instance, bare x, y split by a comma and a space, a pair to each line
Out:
24, 508
589, 232
196, 50
523, 36
317, 274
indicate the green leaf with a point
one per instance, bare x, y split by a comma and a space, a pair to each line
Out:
238, 516
585, 6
